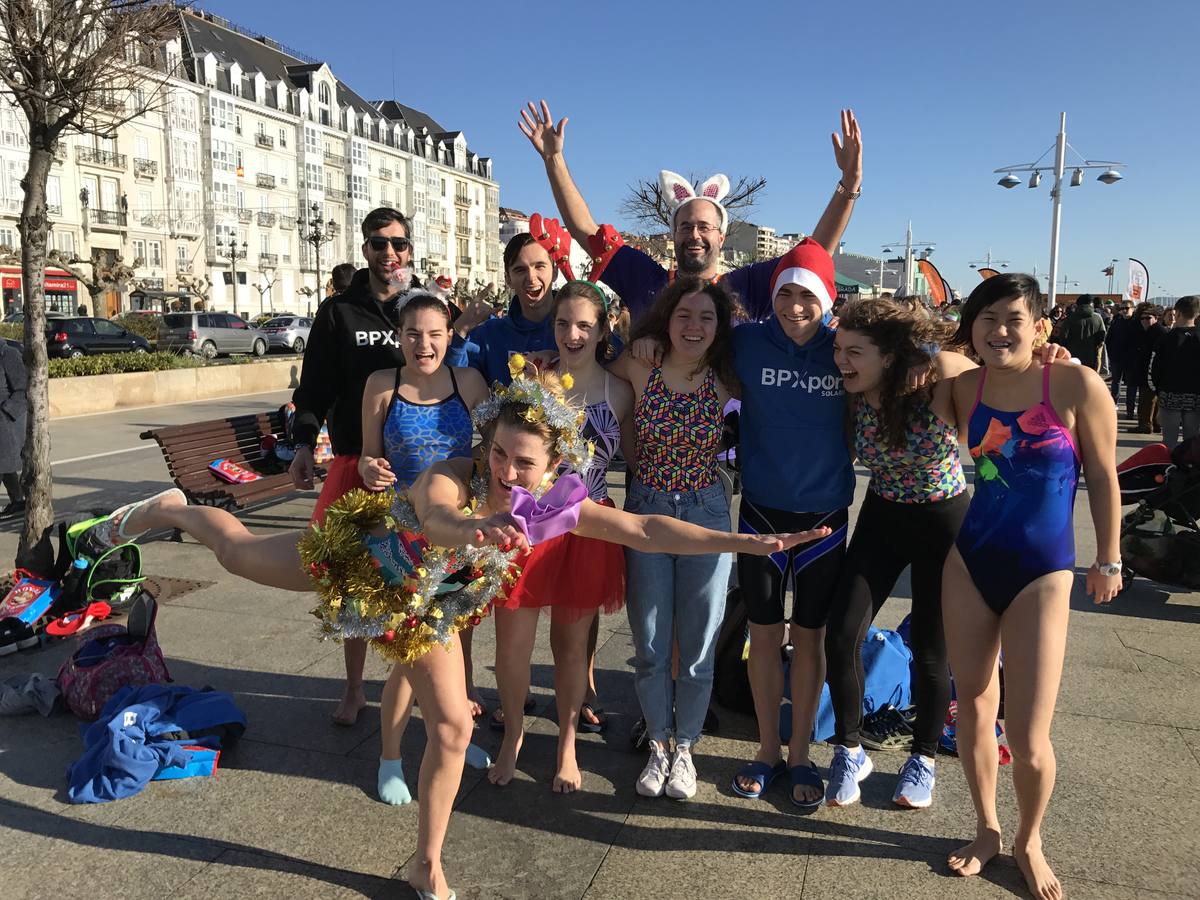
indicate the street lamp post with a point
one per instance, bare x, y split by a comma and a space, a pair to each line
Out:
1110, 175
232, 253
1112, 271
909, 245
988, 263
317, 233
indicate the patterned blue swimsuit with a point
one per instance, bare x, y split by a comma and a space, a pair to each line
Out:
417, 435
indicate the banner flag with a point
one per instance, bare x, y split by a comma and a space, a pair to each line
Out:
985, 273
1138, 288
939, 289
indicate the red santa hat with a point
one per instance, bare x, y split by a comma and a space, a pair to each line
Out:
809, 265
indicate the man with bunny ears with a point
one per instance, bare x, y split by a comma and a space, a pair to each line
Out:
698, 221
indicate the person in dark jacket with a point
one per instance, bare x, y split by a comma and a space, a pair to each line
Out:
1150, 331
1175, 374
14, 406
352, 336
1082, 332
1121, 343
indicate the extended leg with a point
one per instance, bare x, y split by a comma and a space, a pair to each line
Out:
516, 630
568, 642
1034, 635
394, 711
973, 643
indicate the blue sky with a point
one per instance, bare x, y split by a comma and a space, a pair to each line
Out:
945, 92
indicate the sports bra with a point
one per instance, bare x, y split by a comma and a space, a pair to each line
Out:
417, 435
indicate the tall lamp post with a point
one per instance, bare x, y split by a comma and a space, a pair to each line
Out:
318, 233
1110, 175
909, 245
988, 263
231, 252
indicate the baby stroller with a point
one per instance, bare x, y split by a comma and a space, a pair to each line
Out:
1160, 538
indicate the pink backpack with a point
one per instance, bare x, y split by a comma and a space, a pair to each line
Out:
107, 659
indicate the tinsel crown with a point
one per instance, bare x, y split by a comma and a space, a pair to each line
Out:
544, 405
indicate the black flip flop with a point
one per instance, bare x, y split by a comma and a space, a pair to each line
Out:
586, 727
496, 719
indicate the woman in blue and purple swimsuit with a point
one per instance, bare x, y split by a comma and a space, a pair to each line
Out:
1007, 583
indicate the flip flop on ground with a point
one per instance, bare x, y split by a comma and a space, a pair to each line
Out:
760, 773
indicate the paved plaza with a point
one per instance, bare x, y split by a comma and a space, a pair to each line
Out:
292, 812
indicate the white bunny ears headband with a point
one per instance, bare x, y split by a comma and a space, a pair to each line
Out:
677, 191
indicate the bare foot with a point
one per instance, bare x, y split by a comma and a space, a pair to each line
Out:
505, 766
475, 701
803, 793
971, 859
1038, 875
353, 702
568, 778
749, 785
427, 877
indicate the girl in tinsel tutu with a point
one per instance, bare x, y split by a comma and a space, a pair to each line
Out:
414, 572
549, 578
414, 416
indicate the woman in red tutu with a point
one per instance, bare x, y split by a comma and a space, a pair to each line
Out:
576, 577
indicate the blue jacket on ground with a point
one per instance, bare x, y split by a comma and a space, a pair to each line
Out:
793, 449
124, 748
488, 346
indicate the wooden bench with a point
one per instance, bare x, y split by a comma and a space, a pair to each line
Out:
188, 449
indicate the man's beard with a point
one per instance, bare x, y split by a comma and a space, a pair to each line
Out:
693, 265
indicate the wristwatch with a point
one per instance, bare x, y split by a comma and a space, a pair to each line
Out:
850, 195
1108, 570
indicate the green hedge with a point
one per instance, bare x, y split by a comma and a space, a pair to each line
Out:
114, 363
12, 332
140, 324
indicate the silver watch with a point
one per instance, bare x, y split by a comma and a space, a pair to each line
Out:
850, 195
1108, 570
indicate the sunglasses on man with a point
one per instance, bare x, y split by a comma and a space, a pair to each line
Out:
379, 243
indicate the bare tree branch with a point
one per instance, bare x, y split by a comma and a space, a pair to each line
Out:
647, 208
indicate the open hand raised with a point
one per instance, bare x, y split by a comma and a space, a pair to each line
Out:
847, 151
537, 125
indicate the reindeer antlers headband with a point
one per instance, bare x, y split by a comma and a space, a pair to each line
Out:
556, 240
677, 191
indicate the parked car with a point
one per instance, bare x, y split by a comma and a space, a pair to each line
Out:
18, 317
87, 336
257, 321
287, 332
210, 334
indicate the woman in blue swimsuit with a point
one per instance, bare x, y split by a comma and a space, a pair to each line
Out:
413, 417
1007, 583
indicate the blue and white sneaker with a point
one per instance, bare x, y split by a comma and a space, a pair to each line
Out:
849, 767
915, 788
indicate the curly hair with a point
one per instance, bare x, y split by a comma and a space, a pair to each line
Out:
904, 334
656, 323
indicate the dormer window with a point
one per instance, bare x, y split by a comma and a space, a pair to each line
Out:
323, 101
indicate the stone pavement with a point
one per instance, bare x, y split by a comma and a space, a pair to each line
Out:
292, 813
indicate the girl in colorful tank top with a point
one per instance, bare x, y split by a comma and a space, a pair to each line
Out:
678, 419
915, 502
1031, 428
550, 578
413, 417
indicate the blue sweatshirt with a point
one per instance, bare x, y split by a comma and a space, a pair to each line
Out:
793, 449
488, 346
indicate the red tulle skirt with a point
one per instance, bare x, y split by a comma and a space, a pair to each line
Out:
574, 576
342, 477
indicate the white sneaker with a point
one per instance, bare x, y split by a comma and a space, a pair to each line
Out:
682, 783
654, 777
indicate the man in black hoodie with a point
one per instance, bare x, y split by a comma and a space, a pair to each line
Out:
352, 336
1121, 343
1082, 332
1147, 315
1175, 374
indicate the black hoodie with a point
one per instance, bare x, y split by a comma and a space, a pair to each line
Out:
352, 335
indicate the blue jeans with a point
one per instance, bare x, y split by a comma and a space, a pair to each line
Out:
681, 599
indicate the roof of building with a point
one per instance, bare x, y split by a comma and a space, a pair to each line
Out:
416, 119
865, 270
508, 212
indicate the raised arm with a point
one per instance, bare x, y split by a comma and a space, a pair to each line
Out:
664, 534
438, 497
547, 139
847, 152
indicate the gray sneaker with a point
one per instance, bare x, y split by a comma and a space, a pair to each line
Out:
654, 777
682, 783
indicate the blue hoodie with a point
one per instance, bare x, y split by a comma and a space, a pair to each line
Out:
488, 346
793, 449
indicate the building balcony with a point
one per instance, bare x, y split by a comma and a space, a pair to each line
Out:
54, 209
264, 140
268, 259
287, 222
264, 181
183, 267
11, 205
385, 174
464, 260
108, 218
245, 216
266, 219
101, 157
145, 168
335, 195
462, 199
334, 159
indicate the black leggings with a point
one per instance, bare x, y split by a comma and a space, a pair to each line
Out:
888, 537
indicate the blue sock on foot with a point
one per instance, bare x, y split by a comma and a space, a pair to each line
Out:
392, 788
477, 757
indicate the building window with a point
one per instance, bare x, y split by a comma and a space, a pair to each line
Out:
282, 137
66, 243
156, 253
139, 253
181, 252
221, 112
238, 159
8, 237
